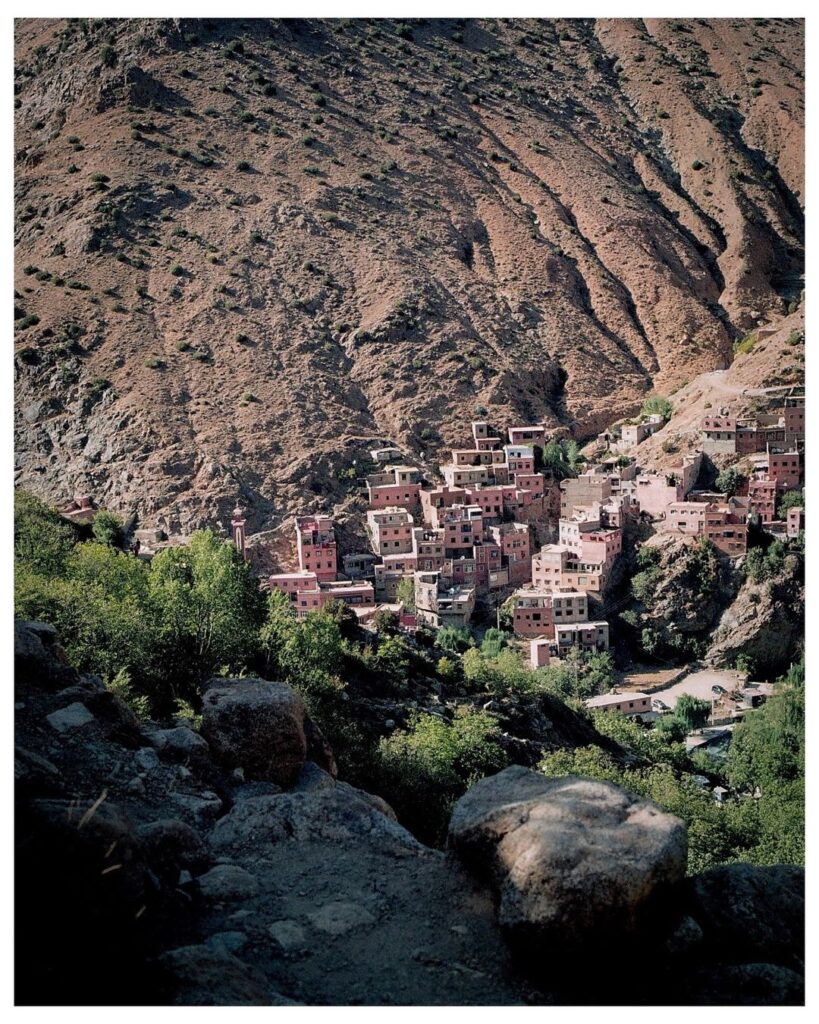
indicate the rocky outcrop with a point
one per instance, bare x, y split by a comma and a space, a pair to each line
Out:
261, 728
765, 623
576, 863
150, 871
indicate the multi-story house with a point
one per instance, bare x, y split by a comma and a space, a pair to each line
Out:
316, 546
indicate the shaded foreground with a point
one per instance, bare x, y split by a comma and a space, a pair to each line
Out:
229, 866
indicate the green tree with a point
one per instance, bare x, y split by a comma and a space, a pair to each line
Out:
43, 540
790, 499
768, 746
454, 639
209, 610
494, 640
657, 405
405, 592
729, 481
554, 458
344, 615
385, 622
107, 528
692, 712
424, 768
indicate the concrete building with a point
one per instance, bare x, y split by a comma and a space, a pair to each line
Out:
436, 499
534, 434
438, 605
625, 703
583, 490
784, 468
390, 530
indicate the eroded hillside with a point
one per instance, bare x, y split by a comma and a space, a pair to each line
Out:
246, 248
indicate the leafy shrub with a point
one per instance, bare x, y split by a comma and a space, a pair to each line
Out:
426, 767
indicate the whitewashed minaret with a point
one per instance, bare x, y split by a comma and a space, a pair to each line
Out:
238, 527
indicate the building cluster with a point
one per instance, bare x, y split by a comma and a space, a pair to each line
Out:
499, 527
783, 430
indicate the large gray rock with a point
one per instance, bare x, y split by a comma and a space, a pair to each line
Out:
336, 814
574, 861
179, 744
257, 726
74, 716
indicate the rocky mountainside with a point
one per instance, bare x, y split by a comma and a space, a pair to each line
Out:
244, 249
228, 866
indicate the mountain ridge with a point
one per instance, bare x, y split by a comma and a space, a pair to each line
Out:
285, 239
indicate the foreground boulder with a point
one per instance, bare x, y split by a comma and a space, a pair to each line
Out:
575, 862
257, 726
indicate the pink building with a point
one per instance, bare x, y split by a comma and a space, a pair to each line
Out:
795, 521
438, 498
601, 547
292, 583
428, 547
489, 500
358, 594
591, 543
316, 545
725, 532
656, 491
556, 567
533, 614
534, 482
686, 517
391, 495
476, 456
762, 499
395, 486
520, 458
794, 417
463, 527
487, 556
535, 434
539, 655
785, 468
540, 612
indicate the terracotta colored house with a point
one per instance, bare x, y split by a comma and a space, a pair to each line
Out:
356, 594
428, 547
785, 468
316, 546
291, 583
556, 567
463, 527
795, 521
438, 498
539, 612
762, 499
534, 434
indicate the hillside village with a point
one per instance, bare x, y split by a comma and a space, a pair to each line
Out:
512, 534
